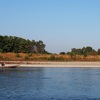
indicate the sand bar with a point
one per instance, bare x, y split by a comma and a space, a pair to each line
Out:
63, 64
57, 64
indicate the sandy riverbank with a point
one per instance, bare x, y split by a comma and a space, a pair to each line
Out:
56, 64
63, 64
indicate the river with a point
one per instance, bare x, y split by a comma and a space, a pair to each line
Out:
50, 84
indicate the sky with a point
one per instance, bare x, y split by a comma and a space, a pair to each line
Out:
60, 24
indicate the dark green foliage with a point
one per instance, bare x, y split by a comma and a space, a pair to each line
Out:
29, 55
52, 58
62, 53
17, 55
84, 51
1, 50
98, 51
20, 45
60, 58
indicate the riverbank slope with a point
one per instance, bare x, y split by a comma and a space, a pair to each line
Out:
52, 64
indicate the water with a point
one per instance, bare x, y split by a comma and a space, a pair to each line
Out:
50, 84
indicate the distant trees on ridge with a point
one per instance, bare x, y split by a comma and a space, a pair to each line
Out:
20, 45
83, 51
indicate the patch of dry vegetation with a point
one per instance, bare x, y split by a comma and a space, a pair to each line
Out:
46, 57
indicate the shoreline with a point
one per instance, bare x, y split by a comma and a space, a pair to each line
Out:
55, 64
63, 64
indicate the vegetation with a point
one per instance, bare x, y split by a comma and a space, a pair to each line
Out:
19, 45
19, 49
47, 57
84, 51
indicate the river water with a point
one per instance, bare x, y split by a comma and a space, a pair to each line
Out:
50, 84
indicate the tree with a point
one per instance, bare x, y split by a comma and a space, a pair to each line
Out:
62, 53
18, 45
88, 51
98, 52
40, 46
76, 51
84, 51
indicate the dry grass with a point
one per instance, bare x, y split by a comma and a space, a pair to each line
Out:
45, 57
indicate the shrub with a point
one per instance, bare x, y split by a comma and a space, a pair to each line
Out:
62, 53
30, 55
6, 58
17, 55
60, 58
52, 58
26, 58
1, 57
0, 50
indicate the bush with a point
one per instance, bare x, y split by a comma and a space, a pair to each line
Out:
26, 58
0, 50
62, 53
6, 58
52, 58
1, 57
30, 55
17, 55
60, 58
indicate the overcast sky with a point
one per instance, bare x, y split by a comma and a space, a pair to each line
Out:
60, 24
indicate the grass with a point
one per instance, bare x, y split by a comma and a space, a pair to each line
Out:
46, 57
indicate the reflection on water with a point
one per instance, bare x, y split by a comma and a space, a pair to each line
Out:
50, 84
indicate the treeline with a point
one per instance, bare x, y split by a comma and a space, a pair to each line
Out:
83, 51
20, 45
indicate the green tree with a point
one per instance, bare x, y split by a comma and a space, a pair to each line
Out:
18, 45
40, 46
98, 52
62, 53
88, 50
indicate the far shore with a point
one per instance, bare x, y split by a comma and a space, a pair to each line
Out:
52, 64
